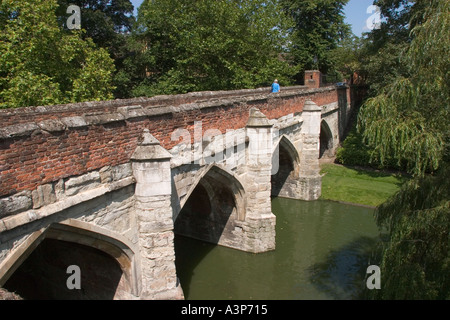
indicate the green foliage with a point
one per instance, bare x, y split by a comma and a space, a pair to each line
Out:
319, 27
105, 21
176, 47
93, 82
416, 261
353, 151
41, 64
211, 45
108, 23
383, 49
383, 65
346, 57
408, 120
396, 23
406, 135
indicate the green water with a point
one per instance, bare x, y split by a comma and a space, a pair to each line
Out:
322, 252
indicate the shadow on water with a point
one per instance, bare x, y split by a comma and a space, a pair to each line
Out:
187, 259
343, 273
204, 216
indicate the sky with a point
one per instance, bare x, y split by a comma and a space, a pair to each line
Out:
356, 15
355, 12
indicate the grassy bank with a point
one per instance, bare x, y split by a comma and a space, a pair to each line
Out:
359, 186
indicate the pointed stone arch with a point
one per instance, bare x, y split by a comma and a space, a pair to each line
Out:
79, 233
285, 143
326, 140
285, 169
213, 206
220, 173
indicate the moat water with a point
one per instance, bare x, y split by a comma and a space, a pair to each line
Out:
323, 249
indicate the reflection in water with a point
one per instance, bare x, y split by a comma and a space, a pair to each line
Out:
322, 252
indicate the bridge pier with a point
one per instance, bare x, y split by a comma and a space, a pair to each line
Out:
309, 172
296, 172
153, 210
259, 222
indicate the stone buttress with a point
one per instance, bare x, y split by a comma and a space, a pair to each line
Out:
259, 219
151, 169
310, 179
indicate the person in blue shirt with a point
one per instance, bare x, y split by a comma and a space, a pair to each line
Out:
275, 86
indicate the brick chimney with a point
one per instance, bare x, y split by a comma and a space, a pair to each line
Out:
313, 78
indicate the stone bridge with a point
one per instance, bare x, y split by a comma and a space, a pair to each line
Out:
105, 185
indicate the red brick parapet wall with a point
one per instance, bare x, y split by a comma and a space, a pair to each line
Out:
39, 145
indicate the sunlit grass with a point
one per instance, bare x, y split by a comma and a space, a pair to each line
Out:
359, 186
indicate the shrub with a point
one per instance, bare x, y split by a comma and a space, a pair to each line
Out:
354, 152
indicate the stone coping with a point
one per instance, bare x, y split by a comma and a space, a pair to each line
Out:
145, 101
103, 112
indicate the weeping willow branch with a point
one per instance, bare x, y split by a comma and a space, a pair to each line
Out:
408, 120
404, 134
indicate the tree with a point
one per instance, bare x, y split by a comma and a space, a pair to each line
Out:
346, 57
211, 45
104, 20
319, 27
408, 119
109, 24
396, 21
40, 64
384, 47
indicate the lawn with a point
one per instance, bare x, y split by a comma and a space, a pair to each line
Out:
359, 186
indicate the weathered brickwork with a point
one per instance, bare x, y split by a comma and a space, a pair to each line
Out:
45, 149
